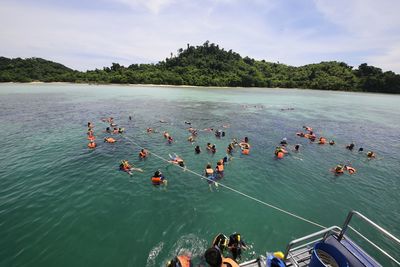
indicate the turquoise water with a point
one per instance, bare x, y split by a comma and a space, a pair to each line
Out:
62, 204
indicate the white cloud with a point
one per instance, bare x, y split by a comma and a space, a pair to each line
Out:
86, 39
154, 6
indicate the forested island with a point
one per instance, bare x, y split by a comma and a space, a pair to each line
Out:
210, 65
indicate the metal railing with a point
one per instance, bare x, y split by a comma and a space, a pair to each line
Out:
307, 239
346, 225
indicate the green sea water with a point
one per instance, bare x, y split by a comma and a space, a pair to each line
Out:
62, 204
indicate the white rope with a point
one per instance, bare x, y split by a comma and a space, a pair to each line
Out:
230, 188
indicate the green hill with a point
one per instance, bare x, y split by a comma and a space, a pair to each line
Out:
210, 65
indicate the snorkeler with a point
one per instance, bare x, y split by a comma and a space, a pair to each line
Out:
109, 140
143, 153
339, 169
158, 178
177, 160
235, 245
350, 147
197, 150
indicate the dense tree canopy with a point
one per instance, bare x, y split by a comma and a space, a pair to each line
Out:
210, 65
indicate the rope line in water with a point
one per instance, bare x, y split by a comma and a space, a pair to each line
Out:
229, 188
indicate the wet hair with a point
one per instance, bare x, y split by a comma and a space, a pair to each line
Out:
157, 173
208, 166
213, 257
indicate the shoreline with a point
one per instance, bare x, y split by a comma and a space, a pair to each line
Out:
185, 86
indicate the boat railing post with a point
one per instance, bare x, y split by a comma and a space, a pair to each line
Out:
345, 225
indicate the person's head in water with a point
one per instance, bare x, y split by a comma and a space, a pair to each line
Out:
246, 139
213, 257
296, 147
157, 173
360, 149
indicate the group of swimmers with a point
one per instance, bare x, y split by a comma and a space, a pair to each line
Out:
340, 168
91, 137
218, 254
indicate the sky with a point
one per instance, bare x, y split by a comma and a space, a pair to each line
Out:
89, 34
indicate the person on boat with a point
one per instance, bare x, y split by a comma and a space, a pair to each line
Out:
175, 159
339, 169
371, 155
350, 147
235, 245
322, 140
197, 150
158, 178
214, 258
180, 261
349, 169
92, 144
219, 169
143, 153
109, 140
332, 142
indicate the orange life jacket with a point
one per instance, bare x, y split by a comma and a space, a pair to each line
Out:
228, 262
245, 151
156, 180
110, 140
184, 261
91, 145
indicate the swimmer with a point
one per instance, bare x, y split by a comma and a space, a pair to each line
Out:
338, 170
143, 153
166, 135
115, 131
197, 150
350, 169
209, 146
108, 130
177, 160
121, 130
332, 142
130, 118
158, 178
371, 155
235, 245
229, 149
300, 134
109, 140
350, 147
219, 169
170, 140
149, 130
322, 140
213, 149
209, 173
360, 149
309, 129
92, 144
191, 139
284, 142
128, 168
296, 148
188, 122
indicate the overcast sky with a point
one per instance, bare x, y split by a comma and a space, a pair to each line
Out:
88, 34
